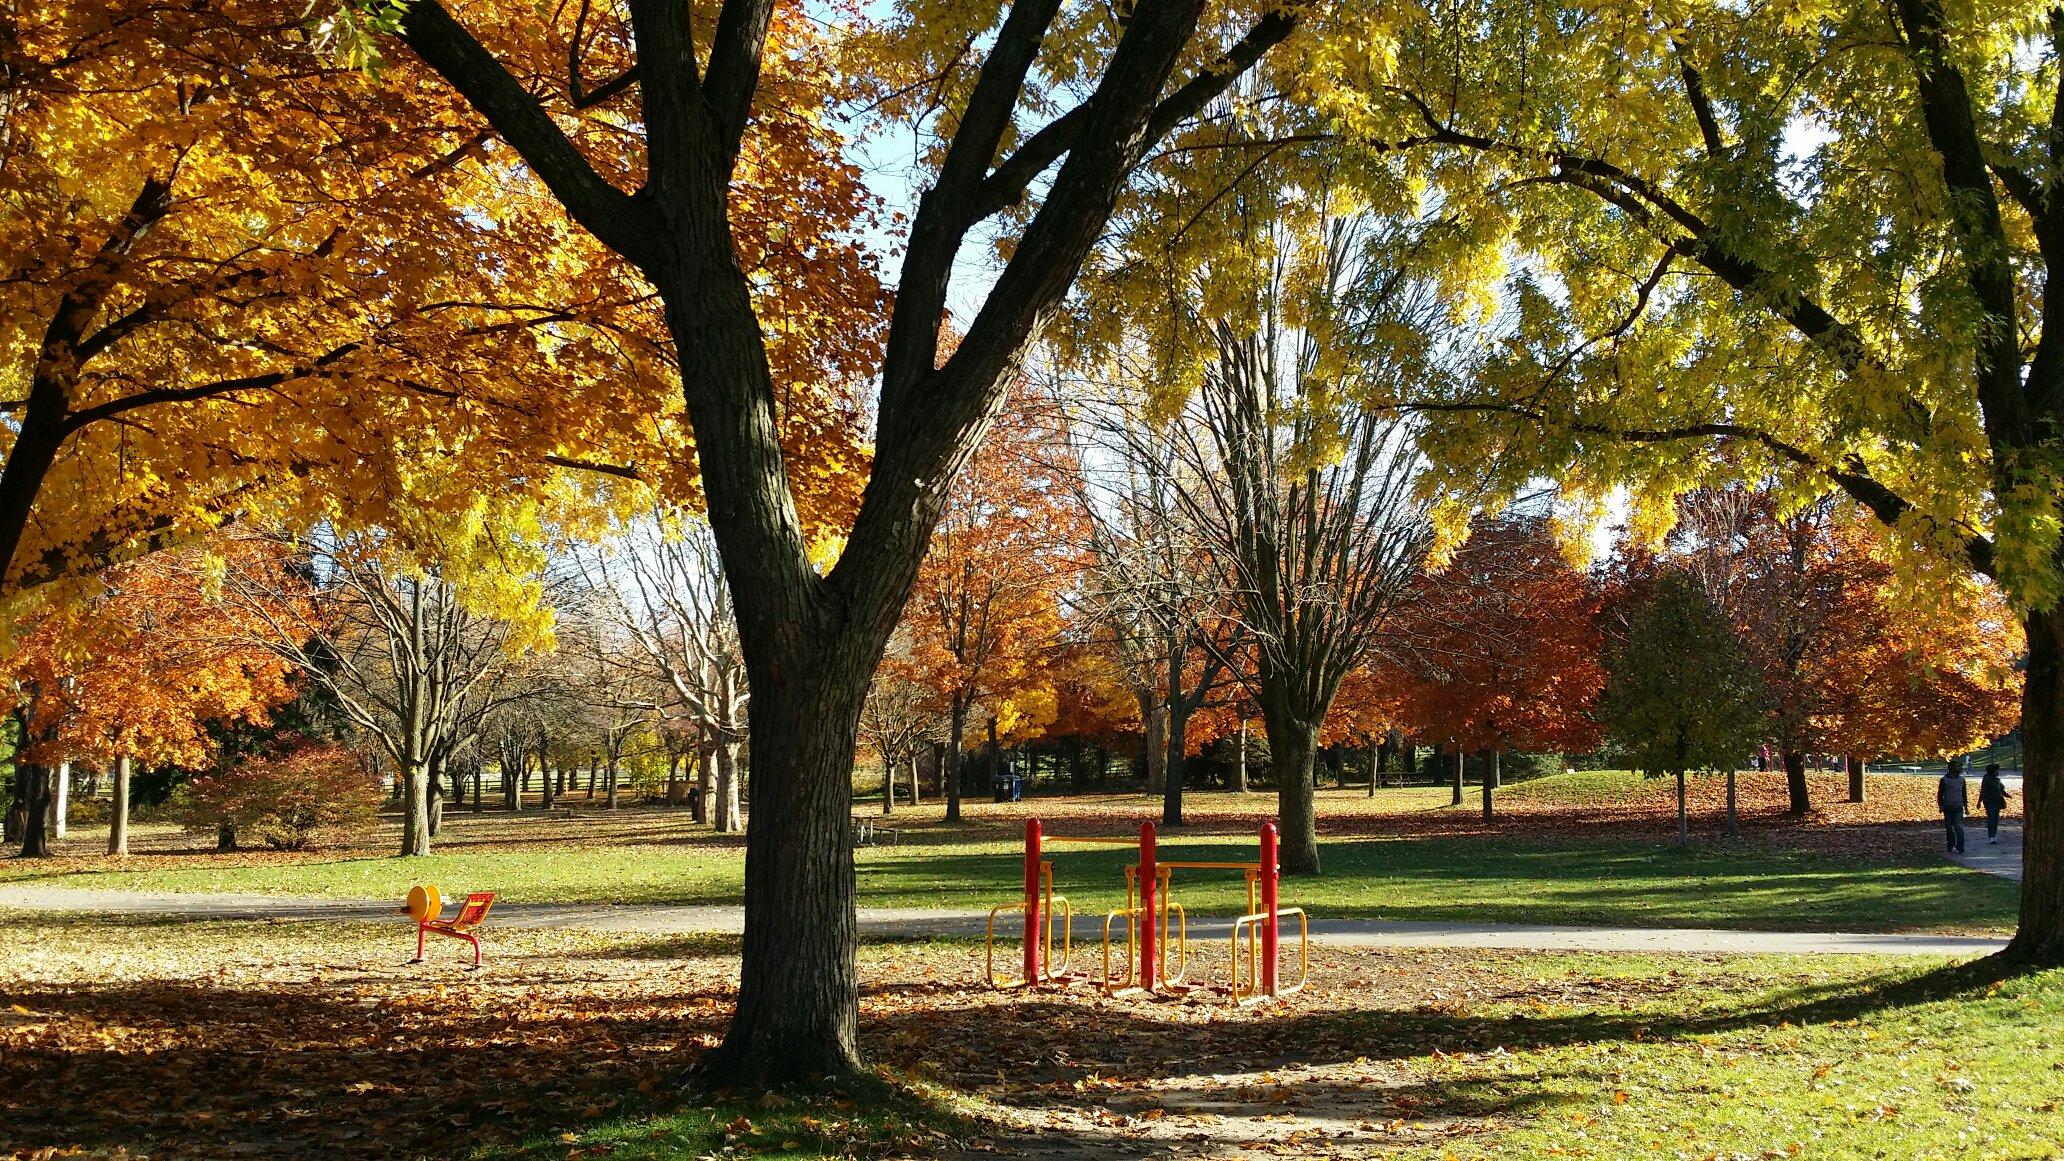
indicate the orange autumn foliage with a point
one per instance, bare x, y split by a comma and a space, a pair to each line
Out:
236, 275
141, 669
1503, 648
985, 613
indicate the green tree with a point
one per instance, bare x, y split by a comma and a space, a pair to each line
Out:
1810, 240
1682, 693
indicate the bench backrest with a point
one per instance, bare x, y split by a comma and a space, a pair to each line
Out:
475, 910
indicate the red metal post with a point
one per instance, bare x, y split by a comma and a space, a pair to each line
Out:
1149, 878
1033, 857
1269, 871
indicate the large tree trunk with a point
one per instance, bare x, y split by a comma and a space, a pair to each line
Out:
888, 784
728, 818
1795, 782
1856, 772
36, 796
1293, 744
2040, 937
416, 783
799, 989
949, 772
609, 776
118, 811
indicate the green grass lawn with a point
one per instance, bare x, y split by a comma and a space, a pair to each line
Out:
1476, 879
1770, 1057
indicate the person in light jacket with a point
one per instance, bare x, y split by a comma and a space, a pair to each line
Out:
1992, 795
1951, 798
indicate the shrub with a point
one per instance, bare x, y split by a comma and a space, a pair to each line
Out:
308, 794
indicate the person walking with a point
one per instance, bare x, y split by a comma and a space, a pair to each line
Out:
1992, 795
1951, 798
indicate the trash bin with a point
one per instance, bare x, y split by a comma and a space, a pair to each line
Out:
1008, 786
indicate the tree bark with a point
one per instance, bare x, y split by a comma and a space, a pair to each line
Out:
1683, 818
61, 803
2040, 936
609, 778
1172, 777
1733, 817
36, 811
1795, 782
1459, 761
1293, 744
226, 837
916, 782
888, 784
1490, 779
728, 818
705, 783
1240, 770
1154, 742
799, 989
949, 770
118, 811
544, 756
1856, 773
415, 807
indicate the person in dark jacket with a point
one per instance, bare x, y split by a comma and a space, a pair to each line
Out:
1992, 795
1951, 798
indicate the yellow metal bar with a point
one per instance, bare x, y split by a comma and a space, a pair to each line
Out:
989, 941
1107, 840
1209, 866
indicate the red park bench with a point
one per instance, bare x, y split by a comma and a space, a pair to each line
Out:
426, 906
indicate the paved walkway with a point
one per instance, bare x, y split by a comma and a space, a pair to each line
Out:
914, 922
2003, 860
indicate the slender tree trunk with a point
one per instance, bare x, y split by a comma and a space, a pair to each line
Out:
416, 791
118, 810
36, 811
728, 817
1154, 742
1733, 817
61, 804
544, 756
609, 777
479, 776
956, 733
916, 782
888, 784
1795, 782
1172, 777
1293, 744
514, 773
1490, 778
1856, 771
1375, 767
1456, 799
706, 783
1683, 817
594, 770
1240, 770
2040, 937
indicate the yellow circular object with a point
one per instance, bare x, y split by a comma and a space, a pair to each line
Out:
424, 903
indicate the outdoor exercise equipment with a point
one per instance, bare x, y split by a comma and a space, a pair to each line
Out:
426, 905
1150, 909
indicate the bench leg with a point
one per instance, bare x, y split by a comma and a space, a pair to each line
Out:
475, 941
419, 944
